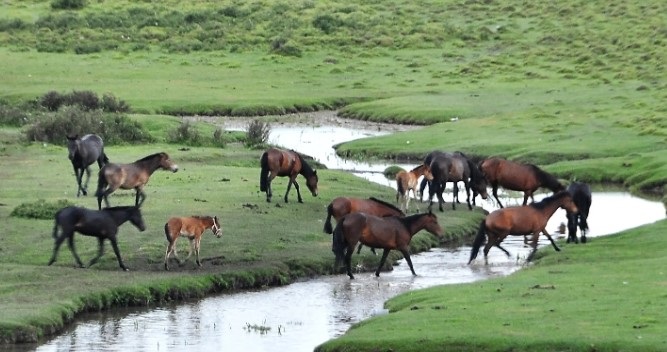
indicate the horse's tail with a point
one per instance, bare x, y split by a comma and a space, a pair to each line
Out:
166, 231
55, 225
264, 173
400, 188
338, 242
327, 223
479, 239
101, 182
105, 158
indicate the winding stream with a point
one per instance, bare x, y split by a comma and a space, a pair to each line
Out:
302, 315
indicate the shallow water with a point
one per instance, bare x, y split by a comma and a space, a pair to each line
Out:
302, 315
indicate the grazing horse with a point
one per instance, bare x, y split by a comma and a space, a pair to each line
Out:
520, 221
581, 194
518, 177
406, 181
278, 162
102, 224
83, 152
193, 228
127, 176
388, 233
342, 206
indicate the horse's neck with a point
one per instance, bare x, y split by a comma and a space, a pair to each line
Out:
151, 165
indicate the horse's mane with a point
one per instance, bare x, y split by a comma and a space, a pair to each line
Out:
389, 205
546, 179
418, 167
408, 220
548, 200
149, 157
305, 167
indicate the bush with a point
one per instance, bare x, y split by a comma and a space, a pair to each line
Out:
68, 4
279, 46
86, 99
110, 103
40, 209
258, 133
14, 115
52, 100
185, 133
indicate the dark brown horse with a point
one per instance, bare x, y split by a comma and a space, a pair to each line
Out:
102, 224
581, 194
518, 177
83, 152
342, 206
193, 228
388, 233
407, 181
522, 220
454, 167
278, 162
128, 176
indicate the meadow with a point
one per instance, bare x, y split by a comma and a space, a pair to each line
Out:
576, 87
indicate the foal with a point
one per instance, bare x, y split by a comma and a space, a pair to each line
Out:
193, 228
406, 181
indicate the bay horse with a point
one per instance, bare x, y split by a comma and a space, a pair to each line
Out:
277, 162
406, 181
83, 152
521, 220
342, 206
517, 177
581, 194
193, 228
388, 233
128, 176
102, 224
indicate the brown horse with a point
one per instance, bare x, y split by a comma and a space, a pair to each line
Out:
278, 162
342, 206
522, 220
517, 177
193, 228
388, 233
127, 176
406, 181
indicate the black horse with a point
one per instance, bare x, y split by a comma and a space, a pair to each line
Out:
453, 167
581, 194
102, 224
83, 152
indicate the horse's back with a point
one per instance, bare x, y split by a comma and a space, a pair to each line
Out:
282, 162
581, 195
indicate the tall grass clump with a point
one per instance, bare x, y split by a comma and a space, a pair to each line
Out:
40, 209
185, 133
68, 4
258, 133
85, 99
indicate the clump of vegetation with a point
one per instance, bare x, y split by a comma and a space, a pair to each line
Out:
68, 4
186, 133
69, 120
391, 171
40, 209
258, 133
87, 100
18, 114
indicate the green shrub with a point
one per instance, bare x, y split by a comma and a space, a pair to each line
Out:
110, 103
52, 100
40, 209
85, 99
258, 133
279, 46
68, 4
186, 133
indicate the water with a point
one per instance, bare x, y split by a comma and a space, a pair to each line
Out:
302, 315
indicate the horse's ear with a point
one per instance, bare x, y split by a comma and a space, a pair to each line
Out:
72, 137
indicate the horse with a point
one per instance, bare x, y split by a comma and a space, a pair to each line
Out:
102, 224
521, 220
127, 176
342, 206
193, 228
407, 181
518, 177
456, 167
389, 233
581, 194
277, 162
83, 152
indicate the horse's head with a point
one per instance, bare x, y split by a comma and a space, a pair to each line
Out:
311, 182
427, 173
73, 146
216, 227
431, 225
567, 202
479, 186
166, 163
136, 219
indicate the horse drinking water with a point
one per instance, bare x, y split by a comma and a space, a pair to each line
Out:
406, 181
127, 176
102, 224
520, 221
517, 177
83, 152
387, 233
581, 194
193, 228
277, 162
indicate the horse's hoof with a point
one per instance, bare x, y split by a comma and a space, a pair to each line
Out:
126, 269
84, 193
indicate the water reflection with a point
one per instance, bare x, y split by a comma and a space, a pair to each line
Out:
302, 315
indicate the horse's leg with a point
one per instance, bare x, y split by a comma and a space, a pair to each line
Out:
85, 186
348, 261
197, 246
78, 175
170, 249
553, 243
495, 193
100, 251
298, 191
191, 240
139, 197
422, 186
406, 254
385, 253
114, 244
527, 194
269, 190
467, 186
441, 201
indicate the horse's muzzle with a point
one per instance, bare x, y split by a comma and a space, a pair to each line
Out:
174, 168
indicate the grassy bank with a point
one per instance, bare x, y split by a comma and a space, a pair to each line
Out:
604, 296
263, 244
